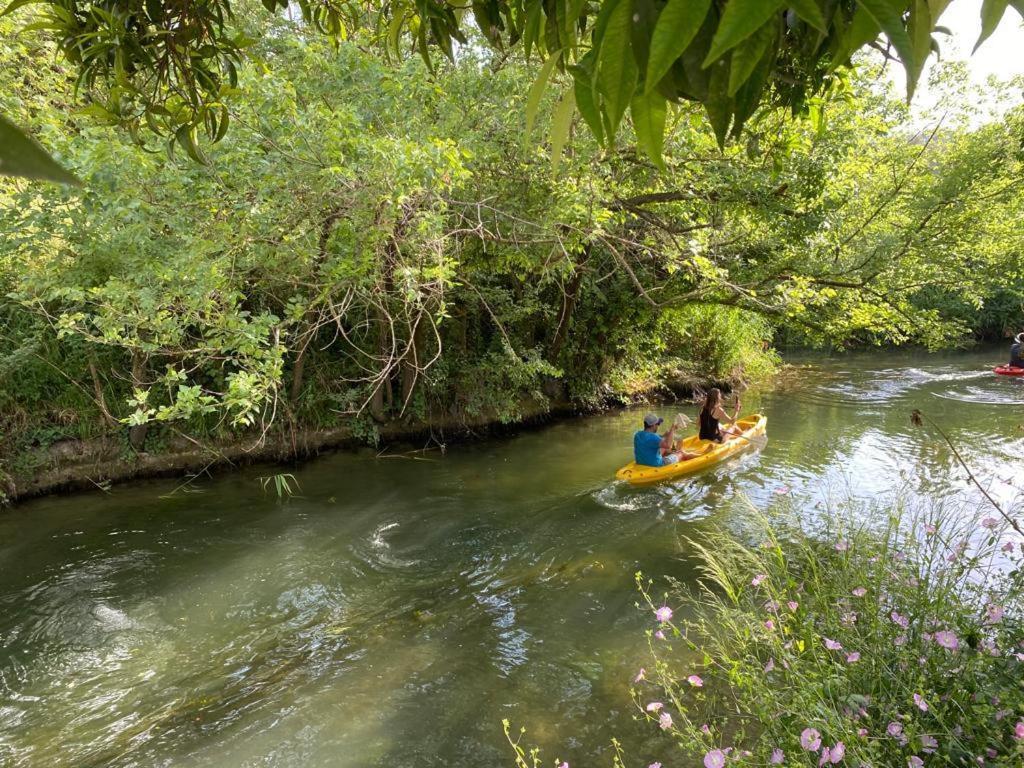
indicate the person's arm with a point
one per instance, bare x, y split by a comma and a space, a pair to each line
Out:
667, 439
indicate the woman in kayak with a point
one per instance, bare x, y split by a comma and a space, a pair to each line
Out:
712, 414
1017, 351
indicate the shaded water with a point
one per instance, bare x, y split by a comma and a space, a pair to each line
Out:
401, 607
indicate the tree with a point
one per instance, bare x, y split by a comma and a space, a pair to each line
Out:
169, 68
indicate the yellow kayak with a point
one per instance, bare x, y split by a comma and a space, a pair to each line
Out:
710, 453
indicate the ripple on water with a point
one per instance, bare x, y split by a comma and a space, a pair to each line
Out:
991, 395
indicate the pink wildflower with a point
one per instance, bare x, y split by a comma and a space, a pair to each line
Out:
660, 635
1007, 547
663, 614
900, 641
793, 605
756, 581
769, 625
832, 645
990, 522
842, 545
665, 721
771, 606
770, 665
914, 762
852, 657
654, 765
928, 744
1018, 730
894, 729
859, 592
563, 764
714, 759
695, 681
777, 757
641, 675
654, 706
900, 619
947, 640
810, 739
929, 528
705, 730
835, 754
920, 702
993, 614
862, 732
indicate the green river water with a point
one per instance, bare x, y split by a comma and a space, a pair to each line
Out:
399, 608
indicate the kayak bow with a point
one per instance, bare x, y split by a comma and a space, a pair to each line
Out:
1009, 370
711, 453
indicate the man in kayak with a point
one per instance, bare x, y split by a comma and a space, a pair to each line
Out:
653, 450
1016, 352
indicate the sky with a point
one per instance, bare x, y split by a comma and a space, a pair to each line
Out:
1001, 55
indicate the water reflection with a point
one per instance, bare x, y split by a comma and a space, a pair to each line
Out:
399, 609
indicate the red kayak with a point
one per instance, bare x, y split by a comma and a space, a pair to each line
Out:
1009, 370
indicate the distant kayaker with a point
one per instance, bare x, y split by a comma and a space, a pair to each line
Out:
1017, 351
651, 449
712, 414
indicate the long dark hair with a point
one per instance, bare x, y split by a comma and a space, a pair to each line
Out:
712, 400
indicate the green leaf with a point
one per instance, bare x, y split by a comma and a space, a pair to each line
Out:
919, 26
561, 121
648, 112
185, 136
586, 97
888, 14
531, 29
719, 106
740, 19
746, 57
991, 14
16, 4
20, 155
536, 91
810, 11
617, 71
862, 30
677, 25
748, 97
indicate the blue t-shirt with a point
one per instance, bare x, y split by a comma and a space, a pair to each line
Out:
647, 449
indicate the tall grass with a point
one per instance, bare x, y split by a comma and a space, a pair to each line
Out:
891, 645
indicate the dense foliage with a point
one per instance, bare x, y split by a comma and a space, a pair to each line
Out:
169, 68
370, 244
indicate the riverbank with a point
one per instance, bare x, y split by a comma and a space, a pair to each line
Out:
71, 465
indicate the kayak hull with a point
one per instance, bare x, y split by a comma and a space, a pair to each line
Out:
711, 453
1008, 370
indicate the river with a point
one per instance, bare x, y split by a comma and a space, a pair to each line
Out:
397, 609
